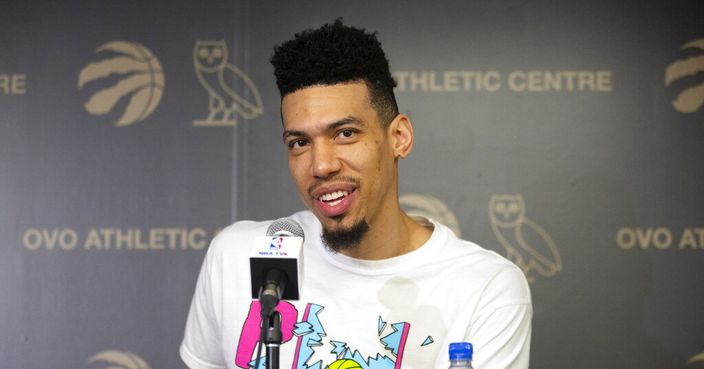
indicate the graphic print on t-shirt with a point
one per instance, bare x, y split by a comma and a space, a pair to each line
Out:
307, 335
402, 299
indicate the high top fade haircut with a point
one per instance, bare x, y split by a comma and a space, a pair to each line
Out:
334, 54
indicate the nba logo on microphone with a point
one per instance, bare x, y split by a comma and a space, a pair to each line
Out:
276, 243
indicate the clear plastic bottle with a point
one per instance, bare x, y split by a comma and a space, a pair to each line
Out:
461, 355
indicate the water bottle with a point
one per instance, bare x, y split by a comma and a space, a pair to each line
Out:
461, 355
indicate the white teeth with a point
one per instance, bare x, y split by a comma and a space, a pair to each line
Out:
333, 203
334, 196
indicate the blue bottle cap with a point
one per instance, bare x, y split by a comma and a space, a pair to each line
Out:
461, 351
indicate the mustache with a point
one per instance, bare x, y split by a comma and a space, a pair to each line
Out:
335, 179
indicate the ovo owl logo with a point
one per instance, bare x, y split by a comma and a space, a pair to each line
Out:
526, 243
691, 98
230, 91
113, 359
129, 71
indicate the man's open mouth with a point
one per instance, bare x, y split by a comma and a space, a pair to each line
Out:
334, 198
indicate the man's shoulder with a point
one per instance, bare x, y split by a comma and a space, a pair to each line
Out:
486, 266
469, 251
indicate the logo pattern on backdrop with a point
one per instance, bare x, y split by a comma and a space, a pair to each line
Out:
430, 207
691, 98
230, 90
138, 76
13, 84
698, 358
520, 81
113, 359
526, 243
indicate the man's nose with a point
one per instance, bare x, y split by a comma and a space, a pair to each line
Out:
324, 160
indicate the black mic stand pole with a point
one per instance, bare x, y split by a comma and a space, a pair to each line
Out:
269, 297
273, 339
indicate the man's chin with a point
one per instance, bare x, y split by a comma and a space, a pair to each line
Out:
341, 237
335, 222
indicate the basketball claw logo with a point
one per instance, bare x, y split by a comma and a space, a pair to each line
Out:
432, 208
526, 243
140, 77
118, 360
699, 358
691, 99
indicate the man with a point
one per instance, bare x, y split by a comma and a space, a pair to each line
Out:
381, 289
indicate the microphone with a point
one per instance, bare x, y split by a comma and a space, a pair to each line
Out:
276, 264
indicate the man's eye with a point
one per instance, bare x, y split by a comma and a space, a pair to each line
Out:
347, 133
295, 144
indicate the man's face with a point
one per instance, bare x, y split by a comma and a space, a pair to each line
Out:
339, 155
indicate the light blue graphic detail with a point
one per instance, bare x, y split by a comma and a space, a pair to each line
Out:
302, 328
427, 341
342, 351
393, 340
262, 363
311, 335
338, 348
382, 325
378, 362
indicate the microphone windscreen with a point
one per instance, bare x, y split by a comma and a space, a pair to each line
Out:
280, 249
285, 227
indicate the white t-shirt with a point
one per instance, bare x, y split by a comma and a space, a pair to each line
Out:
401, 312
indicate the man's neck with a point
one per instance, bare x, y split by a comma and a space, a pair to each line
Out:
392, 236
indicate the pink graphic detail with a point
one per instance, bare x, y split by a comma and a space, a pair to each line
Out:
402, 344
300, 338
252, 329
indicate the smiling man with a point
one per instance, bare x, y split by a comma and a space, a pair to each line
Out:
343, 158
381, 289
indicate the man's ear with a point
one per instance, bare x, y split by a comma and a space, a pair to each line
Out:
400, 132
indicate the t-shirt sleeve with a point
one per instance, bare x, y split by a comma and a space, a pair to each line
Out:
501, 330
201, 347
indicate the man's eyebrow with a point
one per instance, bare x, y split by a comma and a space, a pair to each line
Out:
331, 126
290, 132
347, 120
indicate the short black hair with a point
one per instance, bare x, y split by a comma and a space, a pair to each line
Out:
336, 53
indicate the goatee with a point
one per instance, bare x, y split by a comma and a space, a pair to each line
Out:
345, 238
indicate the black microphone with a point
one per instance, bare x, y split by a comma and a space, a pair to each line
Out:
276, 264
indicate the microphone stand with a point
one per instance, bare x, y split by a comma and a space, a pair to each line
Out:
271, 334
273, 339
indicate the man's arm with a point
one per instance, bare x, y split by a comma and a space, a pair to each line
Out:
501, 330
201, 346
